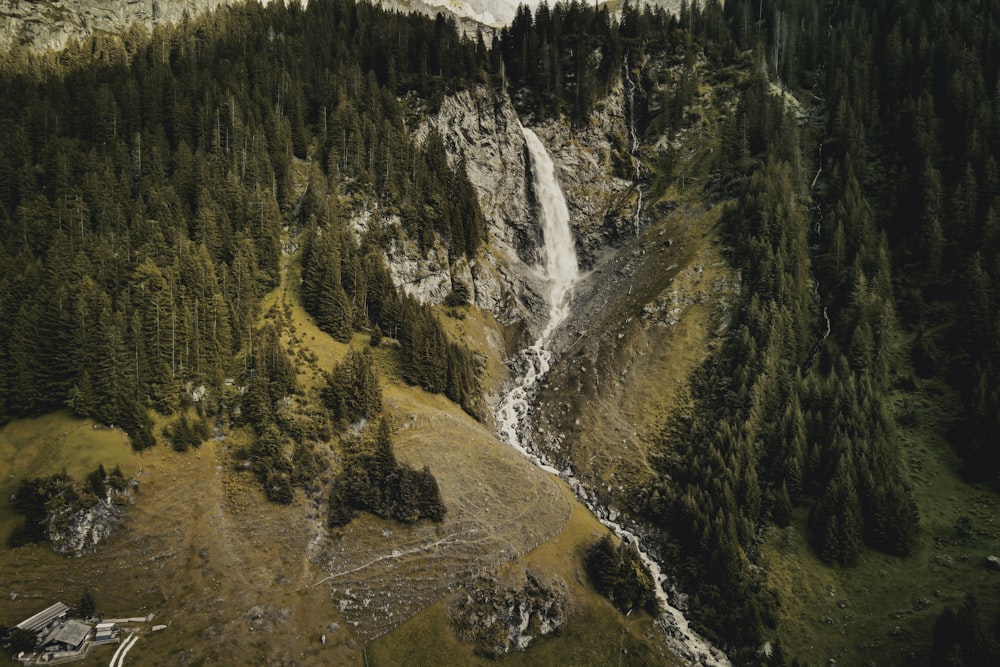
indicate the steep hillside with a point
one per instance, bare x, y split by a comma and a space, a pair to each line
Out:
381, 327
204, 552
49, 24
235, 324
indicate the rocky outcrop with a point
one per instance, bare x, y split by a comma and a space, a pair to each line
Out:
426, 276
499, 619
481, 126
50, 24
72, 532
592, 161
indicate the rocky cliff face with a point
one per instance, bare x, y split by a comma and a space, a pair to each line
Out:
482, 127
49, 24
592, 161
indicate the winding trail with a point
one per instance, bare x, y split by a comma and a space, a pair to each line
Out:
560, 270
397, 553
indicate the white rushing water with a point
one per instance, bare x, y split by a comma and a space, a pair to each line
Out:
634, 145
560, 271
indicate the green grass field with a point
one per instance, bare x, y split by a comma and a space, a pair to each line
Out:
595, 633
49, 444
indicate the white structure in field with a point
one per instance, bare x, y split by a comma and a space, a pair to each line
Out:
44, 619
60, 639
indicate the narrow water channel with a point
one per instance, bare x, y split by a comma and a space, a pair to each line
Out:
560, 269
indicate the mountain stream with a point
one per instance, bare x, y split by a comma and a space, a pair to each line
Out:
633, 144
560, 271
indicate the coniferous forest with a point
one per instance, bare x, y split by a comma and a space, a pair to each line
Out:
145, 186
146, 183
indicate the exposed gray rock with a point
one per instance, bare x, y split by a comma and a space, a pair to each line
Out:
471, 18
588, 160
482, 126
51, 24
72, 533
426, 277
499, 619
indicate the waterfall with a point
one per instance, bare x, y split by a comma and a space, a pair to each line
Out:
560, 271
633, 144
561, 268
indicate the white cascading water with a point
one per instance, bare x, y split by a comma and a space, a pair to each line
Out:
634, 146
560, 271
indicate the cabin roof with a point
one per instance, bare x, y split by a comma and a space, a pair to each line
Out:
71, 633
43, 618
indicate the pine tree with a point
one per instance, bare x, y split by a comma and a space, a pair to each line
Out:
352, 392
87, 604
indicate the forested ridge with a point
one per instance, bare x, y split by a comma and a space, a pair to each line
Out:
868, 246
145, 185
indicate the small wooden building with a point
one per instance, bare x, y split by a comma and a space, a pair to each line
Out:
68, 636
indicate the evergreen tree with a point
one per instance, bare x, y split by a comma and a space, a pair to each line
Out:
372, 480
352, 391
87, 604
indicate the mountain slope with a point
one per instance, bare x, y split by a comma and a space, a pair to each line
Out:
50, 24
762, 377
208, 555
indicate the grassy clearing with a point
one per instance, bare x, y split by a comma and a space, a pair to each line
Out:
200, 565
499, 506
239, 580
594, 634
47, 445
883, 610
